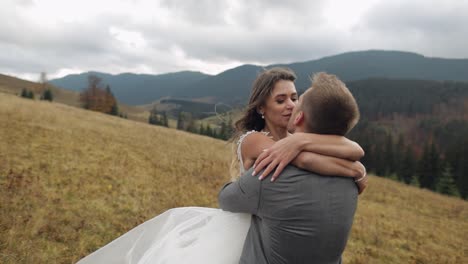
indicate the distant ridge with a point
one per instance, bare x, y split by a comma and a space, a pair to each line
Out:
234, 85
134, 89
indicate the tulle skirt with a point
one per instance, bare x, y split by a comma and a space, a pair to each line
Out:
182, 235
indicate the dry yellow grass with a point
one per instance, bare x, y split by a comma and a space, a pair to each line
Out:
73, 180
12, 85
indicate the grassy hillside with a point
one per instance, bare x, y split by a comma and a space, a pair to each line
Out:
12, 85
73, 180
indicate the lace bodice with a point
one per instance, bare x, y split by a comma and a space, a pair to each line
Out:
239, 152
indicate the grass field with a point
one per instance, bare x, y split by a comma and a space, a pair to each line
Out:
12, 85
73, 180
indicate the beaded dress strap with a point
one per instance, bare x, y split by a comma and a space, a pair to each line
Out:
239, 143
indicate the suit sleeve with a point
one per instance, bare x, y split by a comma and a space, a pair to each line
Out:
241, 196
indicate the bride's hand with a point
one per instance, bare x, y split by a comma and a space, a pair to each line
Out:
277, 156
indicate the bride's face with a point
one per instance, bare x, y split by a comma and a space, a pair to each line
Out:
280, 104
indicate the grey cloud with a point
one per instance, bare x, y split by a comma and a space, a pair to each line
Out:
32, 47
245, 31
202, 12
255, 15
422, 16
434, 28
281, 31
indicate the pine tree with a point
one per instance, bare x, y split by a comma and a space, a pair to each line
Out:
415, 181
407, 166
436, 165
209, 131
47, 95
165, 121
110, 102
201, 130
191, 126
446, 184
229, 128
368, 159
154, 117
424, 168
30, 95
400, 153
181, 121
389, 156
114, 110
462, 170
429, 167
24, 93
223, 131
379, 158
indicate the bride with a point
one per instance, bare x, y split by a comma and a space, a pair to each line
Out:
209, 235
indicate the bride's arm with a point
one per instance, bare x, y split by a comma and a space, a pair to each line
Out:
329, 155
254, 145
325, 165
328, 145
281, 153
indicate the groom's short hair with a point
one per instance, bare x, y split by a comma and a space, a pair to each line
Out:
329, 107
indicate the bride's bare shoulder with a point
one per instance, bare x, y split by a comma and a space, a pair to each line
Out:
252, 143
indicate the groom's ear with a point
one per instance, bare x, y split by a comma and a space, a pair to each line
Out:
299, 119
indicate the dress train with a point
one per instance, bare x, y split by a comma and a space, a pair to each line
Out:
181, 235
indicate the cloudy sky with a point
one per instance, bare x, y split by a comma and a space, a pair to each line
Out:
158, 36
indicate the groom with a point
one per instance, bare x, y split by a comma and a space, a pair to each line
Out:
301, 217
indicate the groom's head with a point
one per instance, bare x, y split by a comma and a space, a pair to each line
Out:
328, 107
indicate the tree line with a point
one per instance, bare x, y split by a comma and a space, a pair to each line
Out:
46, 92
415, 132
443, 170
98, 98
94, 97
46, 95
186, 122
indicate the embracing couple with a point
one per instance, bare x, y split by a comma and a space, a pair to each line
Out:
295, 199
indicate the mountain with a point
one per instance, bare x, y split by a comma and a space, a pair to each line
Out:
385, 64
73, 180
134, 89
233, 86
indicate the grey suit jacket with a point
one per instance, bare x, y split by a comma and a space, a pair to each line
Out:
300, 218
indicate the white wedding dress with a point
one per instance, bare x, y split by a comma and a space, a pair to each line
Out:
192, 235
182, 235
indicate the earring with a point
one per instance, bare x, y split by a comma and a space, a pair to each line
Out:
263, 116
